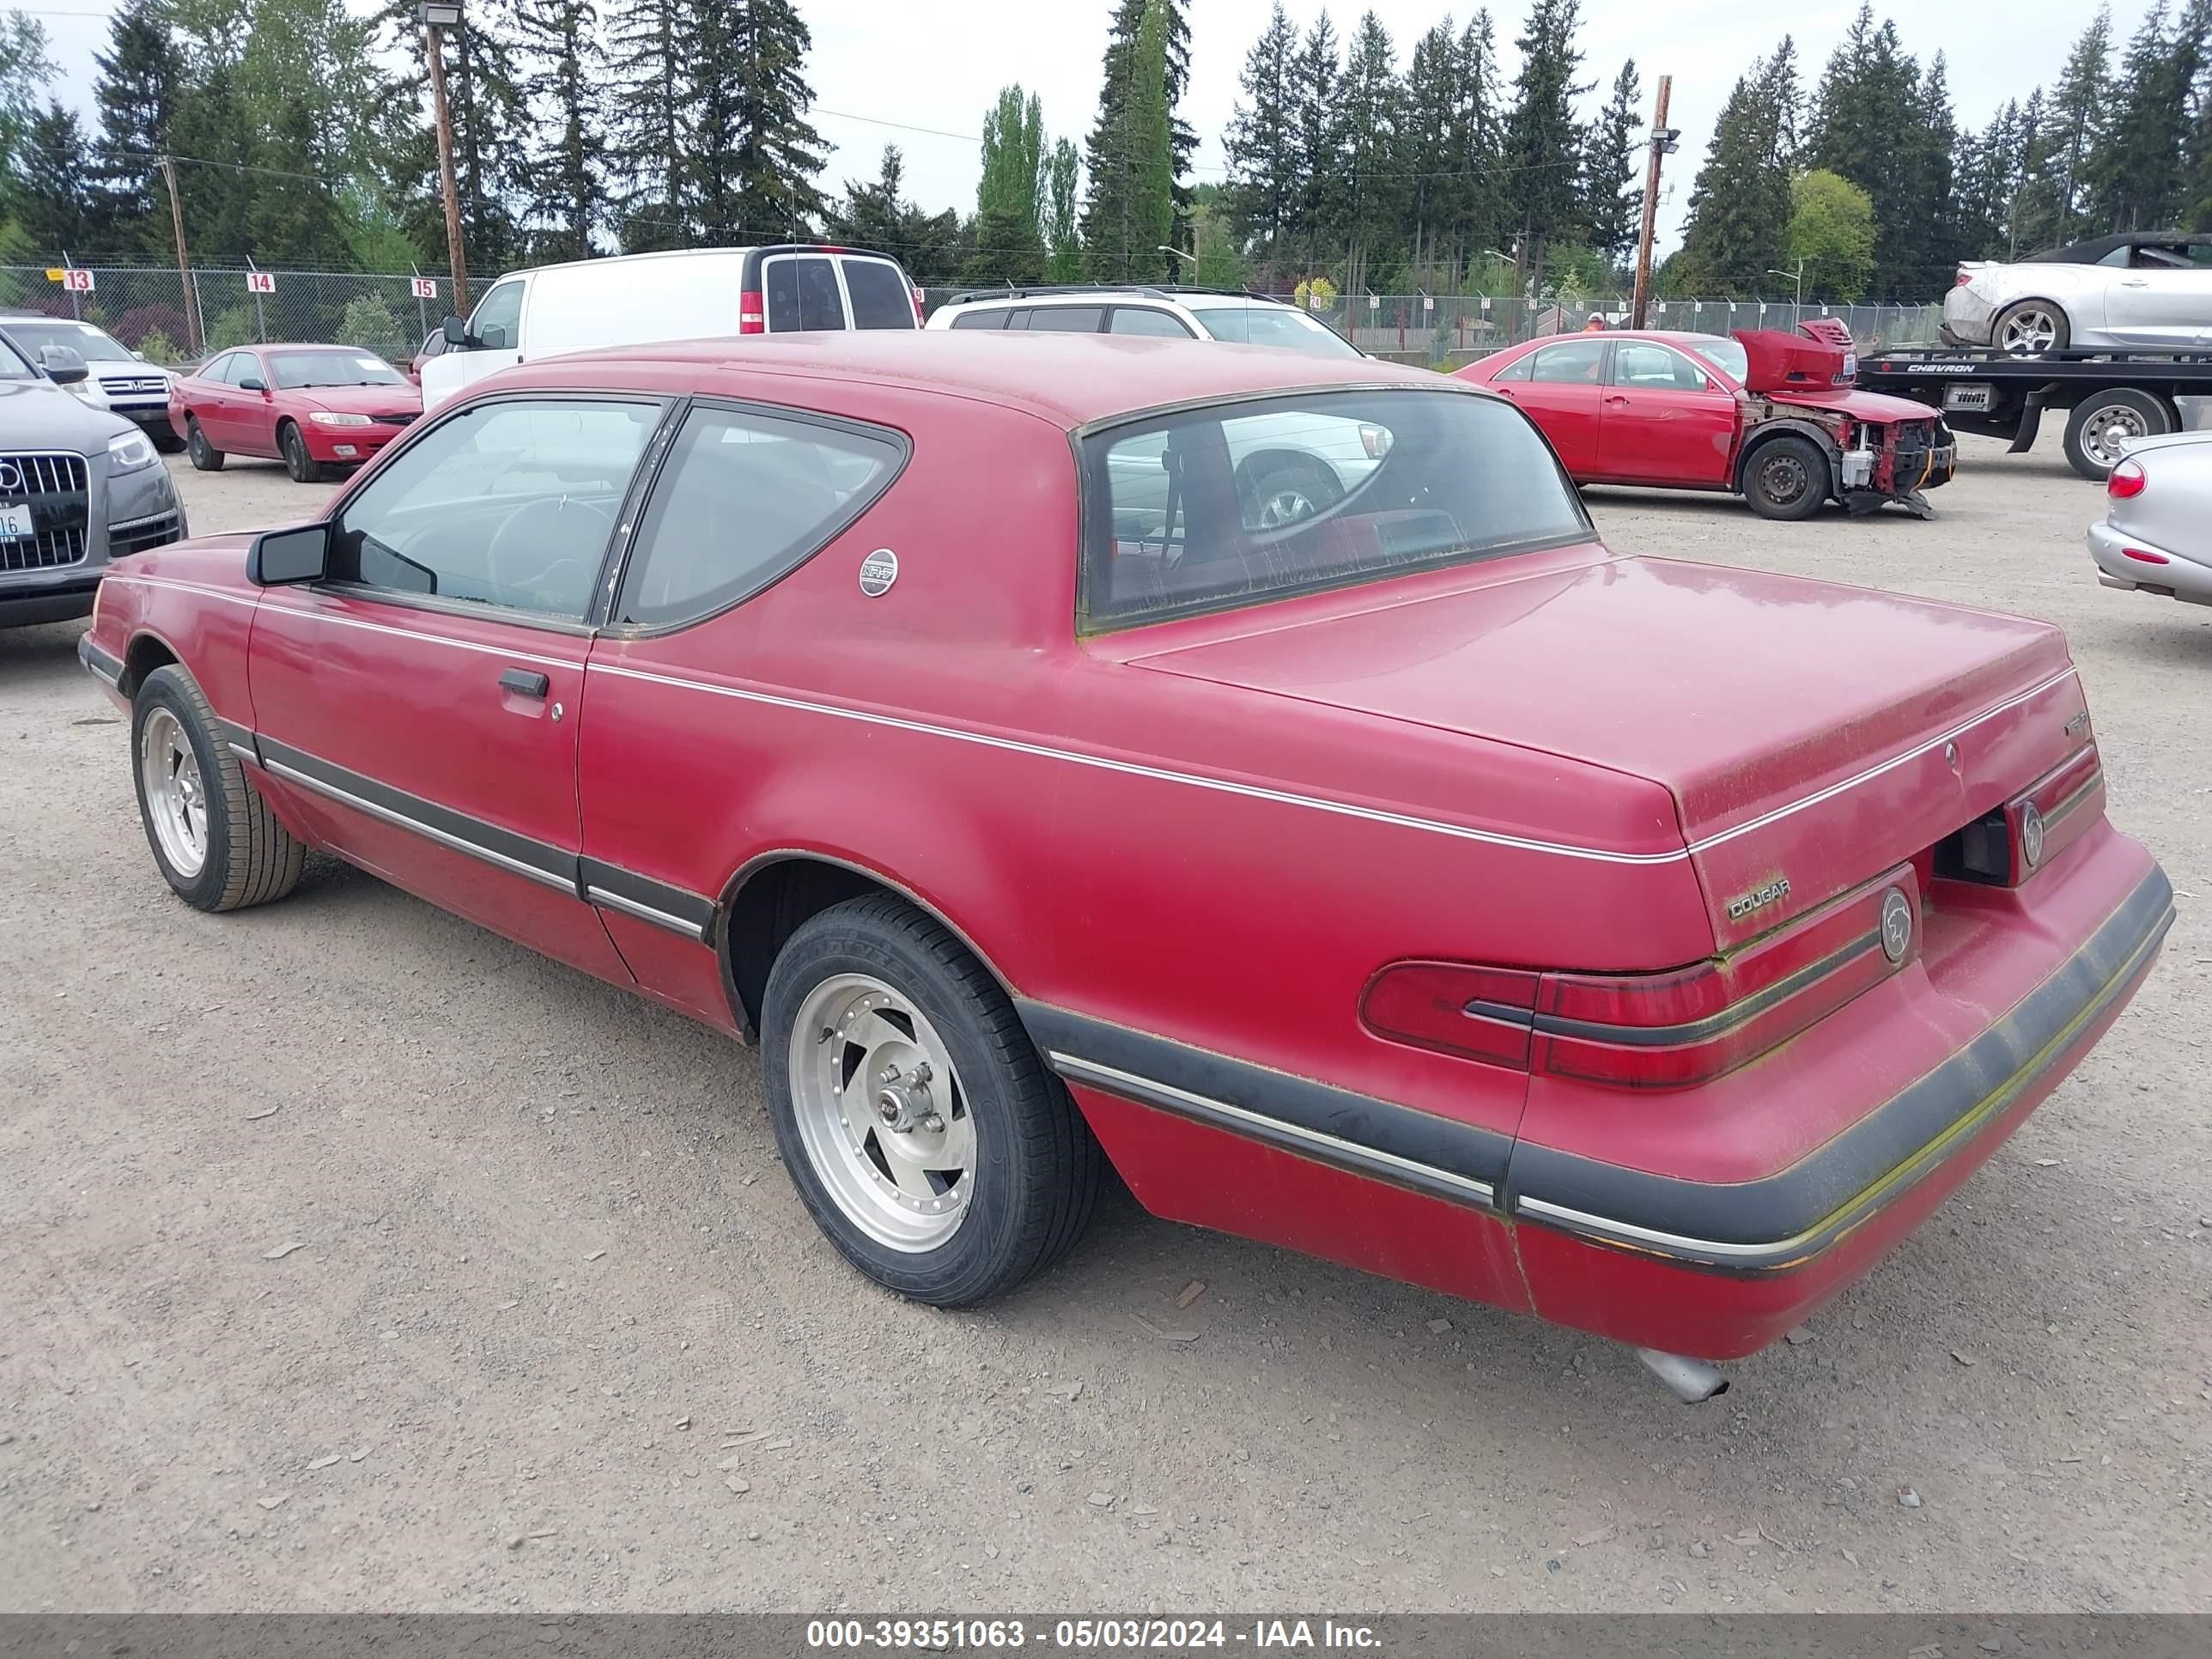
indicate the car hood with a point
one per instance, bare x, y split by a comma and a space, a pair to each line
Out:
39, 415
1749, 696
1876, 408
401, 400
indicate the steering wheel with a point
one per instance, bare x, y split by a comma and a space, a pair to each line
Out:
543, 538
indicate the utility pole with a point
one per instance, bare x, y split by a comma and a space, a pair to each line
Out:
1663, 139
436, 15
193, 332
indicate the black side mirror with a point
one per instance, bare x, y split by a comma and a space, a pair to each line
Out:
64, 367
279, 557
252, 383
457, 332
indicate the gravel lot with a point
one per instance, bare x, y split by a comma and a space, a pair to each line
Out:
548, 1267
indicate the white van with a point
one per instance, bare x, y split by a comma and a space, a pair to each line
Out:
636, 299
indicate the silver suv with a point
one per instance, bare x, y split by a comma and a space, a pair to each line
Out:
78, 487
117, 378
1175, 314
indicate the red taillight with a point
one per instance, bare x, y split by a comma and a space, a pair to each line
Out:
919, 301
2125, 482
752, 318
2141, 557
1962, 277
1664, 1030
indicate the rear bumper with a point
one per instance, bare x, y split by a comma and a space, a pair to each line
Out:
1715, 1269
1966, 317
2166, 574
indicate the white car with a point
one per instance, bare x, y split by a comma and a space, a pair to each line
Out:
116, 378
1172, 313
2142, 288
642, 299
2153, 537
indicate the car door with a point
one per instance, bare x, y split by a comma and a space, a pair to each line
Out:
213, 395
1565, 394
253, 409
1665, 420
665, 759
422, 701
802, 292
496, 324
2164, 297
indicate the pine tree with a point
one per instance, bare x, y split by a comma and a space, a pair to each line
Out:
1928, 244
1318, 142
877, 215
1009, 240
52, 186
1370, 100
1740, 203
2137, 175
140, 81
2080, 115
1117, 159
1613, 194
1541, 155
1260, 138
648, 124
559, 41
1477, 200
26, 70
755, 161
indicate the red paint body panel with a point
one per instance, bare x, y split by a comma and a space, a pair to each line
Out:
244, 422
1653, 435
1214, 830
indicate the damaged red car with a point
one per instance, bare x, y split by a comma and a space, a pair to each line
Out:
1771, 417
1245, 769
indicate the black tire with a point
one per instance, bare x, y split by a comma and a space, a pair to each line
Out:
205, 457
2059, 333
2101, 419
165, 439
299, 465
251, 857
1038, 1166
1788, 478
1269, 485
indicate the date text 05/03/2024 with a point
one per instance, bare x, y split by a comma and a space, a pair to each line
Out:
1089, 1635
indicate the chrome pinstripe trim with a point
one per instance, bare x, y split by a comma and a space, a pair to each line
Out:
477, 645
401, 820
250, 601
1673, 1244
1887, 766
644, 913
1131, 769
1334, 1151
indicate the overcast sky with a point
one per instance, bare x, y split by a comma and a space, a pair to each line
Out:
939, 64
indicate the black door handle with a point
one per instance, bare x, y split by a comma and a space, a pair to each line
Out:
525, 681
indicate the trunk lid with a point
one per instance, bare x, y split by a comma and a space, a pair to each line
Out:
1801, 726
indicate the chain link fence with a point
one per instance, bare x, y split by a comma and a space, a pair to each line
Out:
145, 308
172, 320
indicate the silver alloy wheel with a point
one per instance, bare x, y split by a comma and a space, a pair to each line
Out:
176, 800
2029, 331
1288, 505
2107, 432
881, 1112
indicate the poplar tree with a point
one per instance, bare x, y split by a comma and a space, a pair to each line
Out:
1009, 240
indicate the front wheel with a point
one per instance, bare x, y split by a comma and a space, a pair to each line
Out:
302, 467
215, 840
2103, 424
1787, 478
924, 1133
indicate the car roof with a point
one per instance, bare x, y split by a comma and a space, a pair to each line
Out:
2094, 248
1071, 379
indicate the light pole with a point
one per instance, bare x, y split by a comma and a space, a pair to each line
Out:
1188, 258
436, 15
1797, 308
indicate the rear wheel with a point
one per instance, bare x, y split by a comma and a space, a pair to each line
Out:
1787, 478
2030, 329
205, 457
215, 840
303, 467
924, 1133
2105, 423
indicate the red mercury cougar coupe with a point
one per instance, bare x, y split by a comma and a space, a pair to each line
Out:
1248, 768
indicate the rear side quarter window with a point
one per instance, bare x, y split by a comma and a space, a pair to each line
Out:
879, 293
744, 498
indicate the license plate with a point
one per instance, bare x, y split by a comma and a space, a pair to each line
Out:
1967, 397
16, 523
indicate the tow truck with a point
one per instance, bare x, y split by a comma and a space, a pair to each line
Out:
2113, 397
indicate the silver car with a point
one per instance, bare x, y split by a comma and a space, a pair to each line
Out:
2156, 535
2142, 288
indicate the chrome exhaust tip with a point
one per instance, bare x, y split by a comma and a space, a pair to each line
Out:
1689, 1381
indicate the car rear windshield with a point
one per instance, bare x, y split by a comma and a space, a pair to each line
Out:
293, 369
880, 296
1265, 324
1237, 503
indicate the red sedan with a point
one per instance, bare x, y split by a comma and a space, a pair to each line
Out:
313, 407
1771, 417
1400, 876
